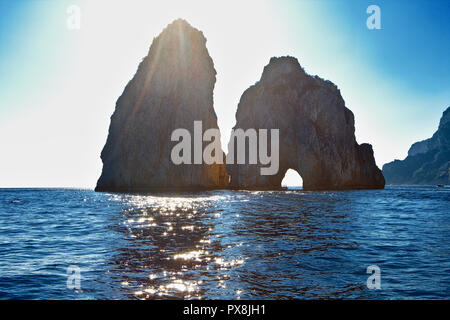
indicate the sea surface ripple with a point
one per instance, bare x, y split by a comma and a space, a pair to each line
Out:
225, 244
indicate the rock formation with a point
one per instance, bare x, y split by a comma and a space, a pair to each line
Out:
428, 161
172, 88
316, 132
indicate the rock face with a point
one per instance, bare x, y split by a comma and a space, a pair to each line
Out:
316, 132
172, 88
428, 161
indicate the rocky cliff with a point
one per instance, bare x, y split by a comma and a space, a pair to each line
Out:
172, 88
316, 132
428, 161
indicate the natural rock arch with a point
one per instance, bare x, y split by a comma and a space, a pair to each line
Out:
317, 133
292, 178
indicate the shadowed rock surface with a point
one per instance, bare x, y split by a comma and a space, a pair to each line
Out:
317, 136
428, 161
172, 88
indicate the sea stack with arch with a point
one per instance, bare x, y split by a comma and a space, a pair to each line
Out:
173, 89
316, 132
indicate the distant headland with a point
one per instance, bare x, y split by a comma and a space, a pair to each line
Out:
173, 90
428, 161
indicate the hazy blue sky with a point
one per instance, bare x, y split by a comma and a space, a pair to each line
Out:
58, 87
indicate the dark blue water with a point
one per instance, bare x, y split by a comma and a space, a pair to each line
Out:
225, 244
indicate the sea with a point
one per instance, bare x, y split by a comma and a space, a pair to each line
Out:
291, 244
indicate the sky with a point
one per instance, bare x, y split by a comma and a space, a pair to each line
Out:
58, 86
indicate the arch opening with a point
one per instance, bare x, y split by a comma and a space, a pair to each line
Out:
292, 179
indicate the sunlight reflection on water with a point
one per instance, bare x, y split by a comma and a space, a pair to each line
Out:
182, 240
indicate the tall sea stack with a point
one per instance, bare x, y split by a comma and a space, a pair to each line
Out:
316, 132
172, 88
